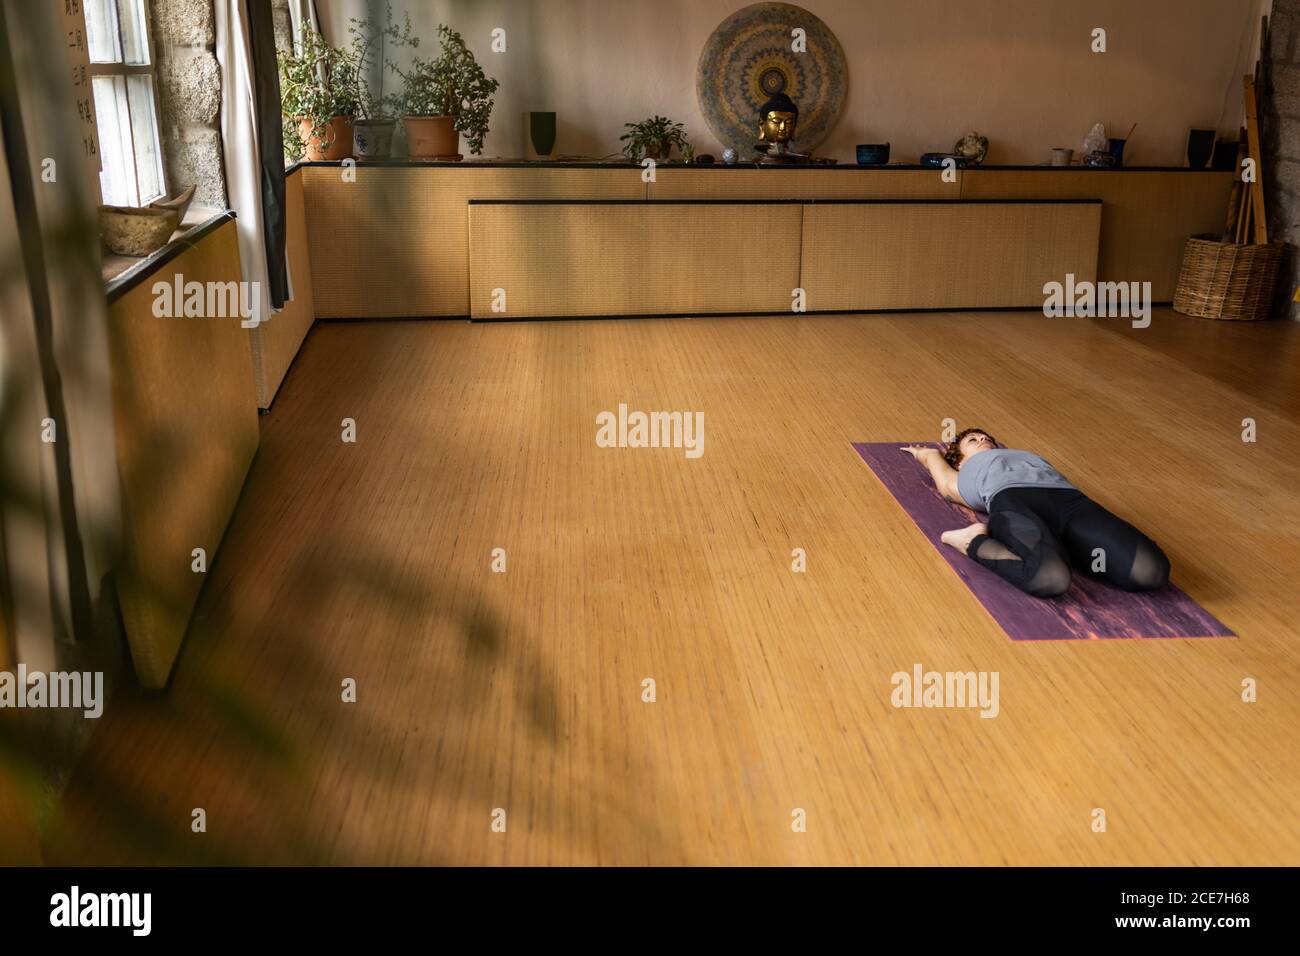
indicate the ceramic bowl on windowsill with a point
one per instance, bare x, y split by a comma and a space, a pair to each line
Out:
180, 202
132, 231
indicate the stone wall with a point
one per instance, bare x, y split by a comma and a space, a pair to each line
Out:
283, 25
189, 98
1280, 143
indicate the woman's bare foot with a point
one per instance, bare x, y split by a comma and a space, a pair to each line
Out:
961, 538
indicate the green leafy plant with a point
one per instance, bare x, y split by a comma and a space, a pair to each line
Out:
654, 137
369, 53
451, 85
318, 83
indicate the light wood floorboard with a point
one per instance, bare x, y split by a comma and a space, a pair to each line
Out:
522, 690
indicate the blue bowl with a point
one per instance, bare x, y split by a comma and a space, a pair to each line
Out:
873, 154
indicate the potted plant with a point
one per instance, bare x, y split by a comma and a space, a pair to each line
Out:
318, 99
654, 138
443, 98
372, 130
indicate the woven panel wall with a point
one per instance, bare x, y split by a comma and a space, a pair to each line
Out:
776, 183
186, 422
1146, 220
396, 241
944, 256
638, 259
276, 341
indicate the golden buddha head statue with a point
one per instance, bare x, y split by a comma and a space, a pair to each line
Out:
778, 119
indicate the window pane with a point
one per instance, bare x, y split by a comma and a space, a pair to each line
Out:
135, 40
101, 31
117, 169
144, 126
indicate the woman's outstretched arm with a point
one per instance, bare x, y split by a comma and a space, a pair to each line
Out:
944, 475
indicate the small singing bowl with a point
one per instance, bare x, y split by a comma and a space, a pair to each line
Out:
873, 154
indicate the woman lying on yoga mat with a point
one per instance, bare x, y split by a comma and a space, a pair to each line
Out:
1039, 524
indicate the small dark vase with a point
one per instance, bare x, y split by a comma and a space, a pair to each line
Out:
1116, 149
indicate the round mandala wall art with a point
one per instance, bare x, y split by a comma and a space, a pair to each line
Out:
754, 54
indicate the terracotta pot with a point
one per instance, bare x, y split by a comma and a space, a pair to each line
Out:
430, 137
335, 145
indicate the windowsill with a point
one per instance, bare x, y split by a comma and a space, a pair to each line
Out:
113, 265
123, 273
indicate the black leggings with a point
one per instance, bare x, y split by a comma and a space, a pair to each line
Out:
1036, 534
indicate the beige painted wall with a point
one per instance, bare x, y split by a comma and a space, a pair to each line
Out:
921, 72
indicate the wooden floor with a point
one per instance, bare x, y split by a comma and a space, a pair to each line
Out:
523, 690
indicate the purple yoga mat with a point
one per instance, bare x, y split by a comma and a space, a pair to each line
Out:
1091, 609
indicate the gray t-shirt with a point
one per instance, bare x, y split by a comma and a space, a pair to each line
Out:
985, 473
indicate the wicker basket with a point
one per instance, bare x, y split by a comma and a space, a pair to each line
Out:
1224, 280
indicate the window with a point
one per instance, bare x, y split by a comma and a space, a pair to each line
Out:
122, 74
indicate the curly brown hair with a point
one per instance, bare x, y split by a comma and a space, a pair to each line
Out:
952, 454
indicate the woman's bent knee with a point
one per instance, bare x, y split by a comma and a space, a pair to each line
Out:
1150, 571
1051, 580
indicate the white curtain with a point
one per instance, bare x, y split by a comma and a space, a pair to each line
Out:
239, 144
302, 12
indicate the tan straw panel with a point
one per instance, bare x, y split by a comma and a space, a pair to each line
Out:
634, 259
276, 341
1146, 220
395, 242
944, 255
186, 420
778, 183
